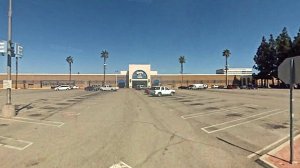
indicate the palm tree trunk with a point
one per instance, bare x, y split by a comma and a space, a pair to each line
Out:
181, 73
226, 69
16, 86
70, 68
104, 68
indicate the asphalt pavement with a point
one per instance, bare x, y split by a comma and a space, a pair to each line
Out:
205, 128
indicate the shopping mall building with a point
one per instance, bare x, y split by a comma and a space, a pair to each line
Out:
137, 74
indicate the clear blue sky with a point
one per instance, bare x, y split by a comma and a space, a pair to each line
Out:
143, 31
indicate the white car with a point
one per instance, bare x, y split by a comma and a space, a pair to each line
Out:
197, 86
161, 91
214, 86
108, 88
75, 87
62, 87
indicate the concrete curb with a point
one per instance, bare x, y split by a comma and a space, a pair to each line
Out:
263, 161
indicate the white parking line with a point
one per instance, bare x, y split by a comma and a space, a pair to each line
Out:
188, 116
266, 147
33, 121
17, 140
204, 128
120, 165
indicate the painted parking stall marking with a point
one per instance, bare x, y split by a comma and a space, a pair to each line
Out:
266, 147
120, 165
240, 121
33, 121
14, 143
211, 112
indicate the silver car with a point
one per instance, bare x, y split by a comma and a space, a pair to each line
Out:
62, 87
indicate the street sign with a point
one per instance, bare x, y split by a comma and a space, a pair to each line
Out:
289, 73
284, 70
7, 84
18, 50
3, 47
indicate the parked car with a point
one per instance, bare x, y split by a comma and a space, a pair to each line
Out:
214, 86
89, 88
252, 86
197, 86
232, 87
75, 87
182, 87
141, 87
62, 87
147, 91
161, 91
108, 88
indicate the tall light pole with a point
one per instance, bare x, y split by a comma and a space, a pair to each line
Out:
9, 48
8, 110
17, 71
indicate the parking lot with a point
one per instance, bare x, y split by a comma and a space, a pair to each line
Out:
251, 121
200, 128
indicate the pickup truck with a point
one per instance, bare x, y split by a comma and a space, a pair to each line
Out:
108, 88
161, 91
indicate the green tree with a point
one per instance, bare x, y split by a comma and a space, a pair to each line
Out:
181, 61
283, 48
296, 45
226, 54
104, 55
272, 58
69, 59
261, 60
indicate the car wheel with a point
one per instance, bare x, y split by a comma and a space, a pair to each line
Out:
172, 93
159, 94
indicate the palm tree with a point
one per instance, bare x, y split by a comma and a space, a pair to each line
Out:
226, 54
104, 55
181, 61
69, 59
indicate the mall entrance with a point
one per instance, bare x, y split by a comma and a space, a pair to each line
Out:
139, 82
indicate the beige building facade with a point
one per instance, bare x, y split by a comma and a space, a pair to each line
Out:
137, 74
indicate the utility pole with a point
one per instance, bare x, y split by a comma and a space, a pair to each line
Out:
8, 110
9, 48
17, 60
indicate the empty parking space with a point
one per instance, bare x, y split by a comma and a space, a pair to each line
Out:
12, 143
249, 120
36, 110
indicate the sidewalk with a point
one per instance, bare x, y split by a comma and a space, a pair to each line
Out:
279, 157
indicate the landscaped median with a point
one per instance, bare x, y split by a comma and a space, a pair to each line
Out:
280, 156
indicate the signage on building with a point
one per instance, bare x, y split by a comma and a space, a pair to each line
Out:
139, 74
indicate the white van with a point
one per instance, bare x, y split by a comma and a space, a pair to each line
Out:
198, 86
